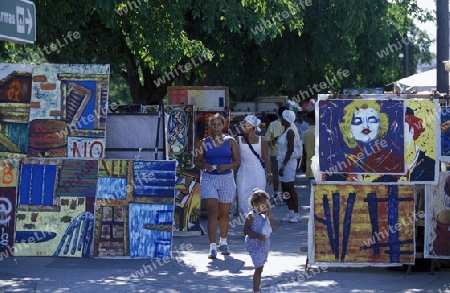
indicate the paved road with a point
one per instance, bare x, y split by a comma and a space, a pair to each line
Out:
190, 271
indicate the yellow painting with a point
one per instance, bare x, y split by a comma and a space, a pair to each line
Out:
358, 224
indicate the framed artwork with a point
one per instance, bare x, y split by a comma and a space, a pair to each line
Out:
437, 218
180, 134
362, 224
361, 136
68, 110
445, 134
203, 98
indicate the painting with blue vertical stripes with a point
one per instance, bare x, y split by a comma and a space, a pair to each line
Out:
154, 178
37, 184
363, 224
150, 230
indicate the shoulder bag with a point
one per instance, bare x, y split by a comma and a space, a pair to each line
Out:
263, 164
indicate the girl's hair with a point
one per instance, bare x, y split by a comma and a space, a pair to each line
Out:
258, 195
217, 116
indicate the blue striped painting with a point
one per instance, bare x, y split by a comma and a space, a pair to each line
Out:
112, 188
150, 230
37, 183
155, 178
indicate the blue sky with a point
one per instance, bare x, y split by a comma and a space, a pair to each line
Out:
430, 26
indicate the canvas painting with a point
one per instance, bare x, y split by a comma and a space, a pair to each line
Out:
437, 218
15, 95
55, 215
8, 203
187, 202
420, 148
445, 134
134, 208
68, 110
361, 136
201, 98
150, 230
180, 134
363, 224
8, 206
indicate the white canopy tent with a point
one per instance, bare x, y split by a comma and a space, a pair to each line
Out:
423, 82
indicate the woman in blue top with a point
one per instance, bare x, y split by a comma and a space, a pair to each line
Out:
217, 156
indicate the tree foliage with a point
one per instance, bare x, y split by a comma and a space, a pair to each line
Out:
255, 47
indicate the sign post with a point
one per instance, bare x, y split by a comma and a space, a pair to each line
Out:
18, 21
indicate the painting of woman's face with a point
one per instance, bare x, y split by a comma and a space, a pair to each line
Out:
365, 125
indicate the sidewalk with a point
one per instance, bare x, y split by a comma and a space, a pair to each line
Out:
191, 271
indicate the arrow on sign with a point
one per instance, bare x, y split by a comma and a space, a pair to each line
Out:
29, 21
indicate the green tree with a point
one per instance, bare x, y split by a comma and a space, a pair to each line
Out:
268, 47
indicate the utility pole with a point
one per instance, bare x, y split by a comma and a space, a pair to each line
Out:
442, 44
405, 56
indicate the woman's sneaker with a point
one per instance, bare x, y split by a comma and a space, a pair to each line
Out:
288, 217
224, 250
295, 219
212, 254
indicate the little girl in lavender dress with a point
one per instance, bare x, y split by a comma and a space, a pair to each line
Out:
257, 228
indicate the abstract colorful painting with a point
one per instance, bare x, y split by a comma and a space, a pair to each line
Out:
135, 217
8, 203
78, 178
68, 110
55, 215
361, 136
150, 230
437, 218
363, 224
445, 134
202, 98
187, 202
15, 95
8, 206
180, 134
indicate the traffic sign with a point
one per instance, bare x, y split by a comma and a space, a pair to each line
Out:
18, 21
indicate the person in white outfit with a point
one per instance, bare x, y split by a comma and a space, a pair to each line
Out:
288, 164
251, 174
